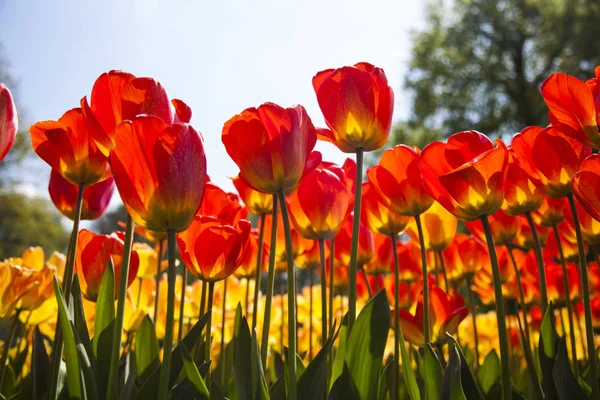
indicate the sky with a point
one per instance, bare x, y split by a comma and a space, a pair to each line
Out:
220, 57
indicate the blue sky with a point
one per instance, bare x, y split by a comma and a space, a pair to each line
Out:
218, 56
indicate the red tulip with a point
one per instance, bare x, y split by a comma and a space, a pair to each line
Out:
521, 193
383, 257
225, 207
377, 216
551, 212
272, 146
9, 122
343, 242
96, 197
505, 228
524, 238
586, 185
211, 250
466, 174
93, 255
160, 171
465, 256
357, 103
258, 202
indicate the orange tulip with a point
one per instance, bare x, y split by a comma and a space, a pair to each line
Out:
225, 207
521, 192
408, 291
15, 282
299, 244
247, 268
340, 278
343, 243
465, 256
590, 227
67, 146
258, 202
96, 197
505, 228
397, 178
119, 96
556, 287
466, 174
357, 103
524, 238
377, 216
383, 257
37, 294
552, 212
551, 156
447, 312
410, 261
151, 236
439, 228
211, 250
9, 122
574, 106
586, 185
319, 206
272, 146
568, 243
160, 171
310, 258
93, 255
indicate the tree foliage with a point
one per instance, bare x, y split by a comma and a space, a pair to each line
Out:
478, 64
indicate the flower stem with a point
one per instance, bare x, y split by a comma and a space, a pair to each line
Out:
292, 392
444, 273
264, 346
366, 279
585, 288
246, 303
331, 282
561, 257
504, 356
7, 343
182, 304
157, 278
539, 258
223, 320
311, 283
165, 370
426, 329
469, 283
261, 234
397, 328
323, 293
521, 293
57, 345
113, 374
208, 344
355, 233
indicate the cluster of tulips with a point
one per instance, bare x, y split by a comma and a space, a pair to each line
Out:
387, 249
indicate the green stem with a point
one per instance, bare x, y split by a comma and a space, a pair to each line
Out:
585, 288
563, 265
264, 346
521, 293
397, 329
208, 344
311, 283
354, 248
281, 307
182, 304
261, 234
443, 267
331, 282
57, 345
292, 392
323, 292
366, 279
157, 278
197, 351
539, 258
426, 328
203, 299
246, 305
165, 370
139, 296
504, 356
223, 320
469, 283
7, 343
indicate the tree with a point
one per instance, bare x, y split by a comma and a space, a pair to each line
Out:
28, 222
478, 64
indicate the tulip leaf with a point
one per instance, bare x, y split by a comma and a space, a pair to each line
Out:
407, 371
249, 375
469, 385
340, 352
534, 379
74, 383
40, 365
490, 372
452, 382
10, 383
79, 320
431, 372
216, 393
91, 389
193, 374
104, 327
313, 382
366, 345
383, 389
547, 353
146, 347
128, 388
564, 379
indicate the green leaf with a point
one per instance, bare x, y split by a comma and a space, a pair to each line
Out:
407, 371
340, 351
10, 382
146, 347
216, 393
72, 360
452, 382
431, 372
548, 333
249, 376
366, 345
469, 385
40, 365
104, 327
80, 322
383, 389
547, 353
313, 382
91, 389
490, 372
193, 374
566, 384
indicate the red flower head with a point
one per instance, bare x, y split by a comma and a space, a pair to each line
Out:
465, 256
383, 257
67, 146
505, 228
96, 197
377, 216
466, 174
212, 250
398, 180
319, 206
446, 312
521, 192
247, 268
160, 171
93, 255
439, 228
409, 258
299, 244
590, 226
407, 291
552, 212
9, 122
574, 106
524, 238
357, 103
258, 202
586, 185
550, 156
119, 96
225, 207
556, 287
343, 242
272, 146
310, 258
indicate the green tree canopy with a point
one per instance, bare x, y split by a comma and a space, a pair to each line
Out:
478, 64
